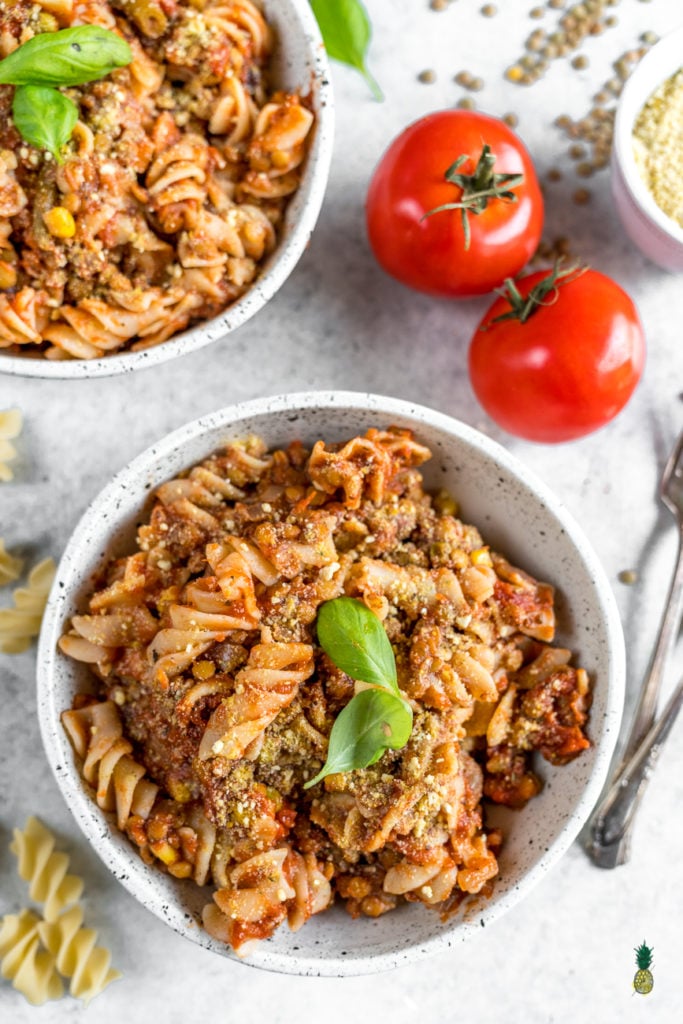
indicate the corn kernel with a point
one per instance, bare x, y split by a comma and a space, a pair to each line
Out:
60, 222
180, 870
47, 22
165, 852
203, 669
279, 158
180, 791
8, 275
481, 556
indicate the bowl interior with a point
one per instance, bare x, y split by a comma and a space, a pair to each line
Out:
515, 514
299, 63
664, 60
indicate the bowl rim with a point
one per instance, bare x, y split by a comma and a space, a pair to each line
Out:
284, 259
90, 818
633, 98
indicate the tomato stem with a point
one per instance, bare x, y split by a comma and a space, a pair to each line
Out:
524, 307
478, 188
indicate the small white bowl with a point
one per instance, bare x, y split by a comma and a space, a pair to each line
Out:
516, 513
655, 234
299, 64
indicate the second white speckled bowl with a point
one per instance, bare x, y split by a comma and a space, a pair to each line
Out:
299, 63
515, 512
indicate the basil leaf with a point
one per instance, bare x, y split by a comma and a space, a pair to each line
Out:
72, 56
44, 117
345, 29
356, 641
372, 722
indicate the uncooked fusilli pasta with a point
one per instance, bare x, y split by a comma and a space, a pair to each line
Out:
44, 869
173, 186
76, 954
10, 565
35, 951
215, 702
10, 419
31, 969
21, 624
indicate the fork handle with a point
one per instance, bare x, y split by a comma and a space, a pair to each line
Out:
611, 826
611, 852
644, 714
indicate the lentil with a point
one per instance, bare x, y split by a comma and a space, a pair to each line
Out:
628, 576
427, 77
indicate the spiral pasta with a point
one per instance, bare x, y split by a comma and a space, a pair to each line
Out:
96, 734
10, 565
44, 869
76, 954
10, 427
19, 625
31, 970
171, 192
35, 951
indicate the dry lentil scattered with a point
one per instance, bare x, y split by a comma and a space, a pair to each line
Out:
581, 196
427, 76
628, 576
511, 120
439, 5
554, 174
465, 103
489, 10
574, 24
596, 129
658, 146
550, 252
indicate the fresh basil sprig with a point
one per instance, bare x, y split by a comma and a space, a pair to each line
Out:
44, 117
345, 28
376, 719
72, 56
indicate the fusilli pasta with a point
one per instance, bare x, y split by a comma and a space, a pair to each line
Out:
35, 951
10, 565
19, 625
216, 698
44, 869
31, 970
76, 954
172, 189
10, 425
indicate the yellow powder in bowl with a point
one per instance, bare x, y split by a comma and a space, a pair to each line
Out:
658, 146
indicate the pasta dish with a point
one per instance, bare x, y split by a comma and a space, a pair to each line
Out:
213, 703
172, 188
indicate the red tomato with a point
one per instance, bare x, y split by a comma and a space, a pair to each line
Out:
569, 368
429, 253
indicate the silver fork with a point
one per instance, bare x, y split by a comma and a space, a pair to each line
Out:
611, 824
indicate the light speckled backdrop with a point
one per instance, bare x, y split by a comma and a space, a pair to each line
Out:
566, 952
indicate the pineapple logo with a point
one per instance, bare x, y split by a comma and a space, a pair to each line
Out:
643, 981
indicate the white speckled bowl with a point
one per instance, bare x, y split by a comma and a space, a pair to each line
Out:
516, 513
299, 63
656, 235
